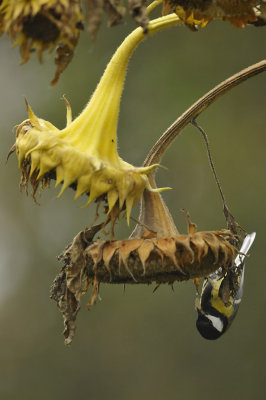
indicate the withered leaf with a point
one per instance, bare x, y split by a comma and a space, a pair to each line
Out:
64, 55
138, 12
67, 286
115, 11
94, 15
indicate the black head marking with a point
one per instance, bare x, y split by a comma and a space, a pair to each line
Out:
206, 328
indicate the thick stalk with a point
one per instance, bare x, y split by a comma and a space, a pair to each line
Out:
96, 126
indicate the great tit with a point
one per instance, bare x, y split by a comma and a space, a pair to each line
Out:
221, 296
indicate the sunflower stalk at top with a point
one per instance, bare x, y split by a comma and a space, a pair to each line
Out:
84, 154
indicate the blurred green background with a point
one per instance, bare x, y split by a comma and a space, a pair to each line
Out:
136, 345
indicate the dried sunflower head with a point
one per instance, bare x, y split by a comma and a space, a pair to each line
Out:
199, 13
39, 25
162, 259
139, 260
43, 25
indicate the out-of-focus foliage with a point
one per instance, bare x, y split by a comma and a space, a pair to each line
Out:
39, 25
55, 25
43, 25
200, 12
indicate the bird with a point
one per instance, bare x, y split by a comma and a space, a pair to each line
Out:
221, 295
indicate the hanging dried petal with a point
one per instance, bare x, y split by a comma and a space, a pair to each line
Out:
115, 11
67, 286
137, 10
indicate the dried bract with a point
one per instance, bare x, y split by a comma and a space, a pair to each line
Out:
161, 260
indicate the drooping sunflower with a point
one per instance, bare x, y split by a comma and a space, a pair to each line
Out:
84, 154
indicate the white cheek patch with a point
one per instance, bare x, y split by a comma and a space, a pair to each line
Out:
216, 322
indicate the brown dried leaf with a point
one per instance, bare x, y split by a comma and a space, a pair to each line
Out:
67, 286
137, 10
94, 14
64, 55
115, 11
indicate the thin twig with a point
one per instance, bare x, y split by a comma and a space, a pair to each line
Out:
232, 224
194, 122
204, 102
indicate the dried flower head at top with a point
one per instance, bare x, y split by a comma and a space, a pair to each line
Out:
39, 25
201, 12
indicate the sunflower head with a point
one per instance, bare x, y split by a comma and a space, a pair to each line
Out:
39, 25
201, 12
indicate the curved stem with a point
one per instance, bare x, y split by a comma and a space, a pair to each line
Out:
152, 6
153, 211
95, 128
158, 150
